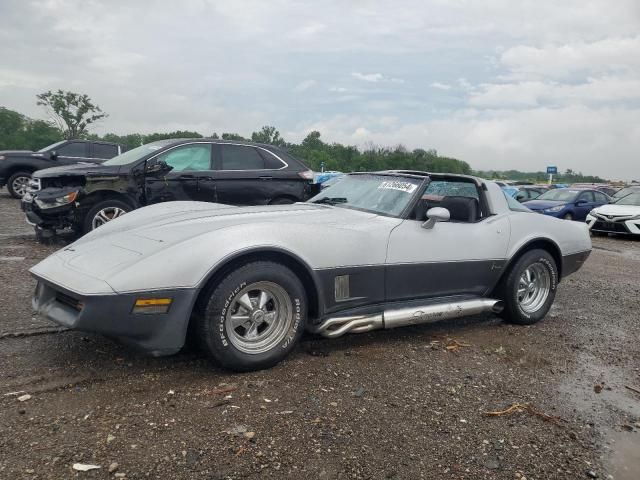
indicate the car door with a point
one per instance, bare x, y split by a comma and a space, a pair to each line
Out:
584, 204
242, 176
188, 163
600, 199
73, 152
452, 258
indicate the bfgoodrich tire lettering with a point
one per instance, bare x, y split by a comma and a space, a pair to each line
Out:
253, 318
529, 289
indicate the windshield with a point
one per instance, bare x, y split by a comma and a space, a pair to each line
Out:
560, 195
625, 191
136, 153
51, 147
631, 199
385, 194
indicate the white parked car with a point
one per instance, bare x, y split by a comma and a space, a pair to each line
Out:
623, 216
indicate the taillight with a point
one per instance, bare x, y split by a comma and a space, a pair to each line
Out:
307, 174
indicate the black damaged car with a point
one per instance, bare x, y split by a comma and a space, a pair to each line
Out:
83, 197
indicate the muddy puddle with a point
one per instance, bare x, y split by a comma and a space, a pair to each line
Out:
599, 393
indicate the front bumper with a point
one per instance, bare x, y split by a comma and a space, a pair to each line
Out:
606, 225
111, 315
57, 218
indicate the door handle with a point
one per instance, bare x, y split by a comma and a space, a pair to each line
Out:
186, 177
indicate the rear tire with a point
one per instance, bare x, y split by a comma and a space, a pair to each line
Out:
529, 288
103, 212
17, 184
253, 318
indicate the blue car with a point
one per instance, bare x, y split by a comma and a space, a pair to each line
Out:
568, 203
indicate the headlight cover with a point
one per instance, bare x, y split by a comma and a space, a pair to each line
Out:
554, 209
58, 201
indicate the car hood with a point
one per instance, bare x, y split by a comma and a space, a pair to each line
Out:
618, 210
543, 204
113, 256
80, 169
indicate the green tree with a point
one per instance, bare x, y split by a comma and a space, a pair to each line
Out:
20, 132
268, 135
233, 136
73, 113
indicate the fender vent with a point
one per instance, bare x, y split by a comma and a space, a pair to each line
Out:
342, 288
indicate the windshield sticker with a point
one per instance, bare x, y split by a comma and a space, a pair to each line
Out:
402, 186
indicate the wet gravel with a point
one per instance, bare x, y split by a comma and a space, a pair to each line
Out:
395, 404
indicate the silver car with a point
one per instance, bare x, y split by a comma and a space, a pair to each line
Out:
374, 251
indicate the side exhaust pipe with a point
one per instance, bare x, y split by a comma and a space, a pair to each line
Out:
392, 318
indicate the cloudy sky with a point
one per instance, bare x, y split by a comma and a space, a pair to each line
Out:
498, 83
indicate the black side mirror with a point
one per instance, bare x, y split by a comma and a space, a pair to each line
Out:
53, 155
159, 166
580, 203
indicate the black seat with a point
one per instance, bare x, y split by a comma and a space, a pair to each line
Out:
461, 209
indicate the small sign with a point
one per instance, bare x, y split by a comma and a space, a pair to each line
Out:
552, 170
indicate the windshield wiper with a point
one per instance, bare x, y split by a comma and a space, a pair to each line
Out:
331, 200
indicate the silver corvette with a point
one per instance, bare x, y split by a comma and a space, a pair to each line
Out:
373, 251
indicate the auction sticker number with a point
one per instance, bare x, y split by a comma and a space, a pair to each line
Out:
406, 187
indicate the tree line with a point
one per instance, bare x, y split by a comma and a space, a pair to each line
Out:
72, 115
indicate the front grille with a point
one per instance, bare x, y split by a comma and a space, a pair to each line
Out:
614, 227
69, 301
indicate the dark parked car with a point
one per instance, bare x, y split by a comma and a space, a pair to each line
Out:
17, 166
83, 197
526, 193
568, 203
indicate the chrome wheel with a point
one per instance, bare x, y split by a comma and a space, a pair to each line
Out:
19, 185
533, 287
259, 317
106, 215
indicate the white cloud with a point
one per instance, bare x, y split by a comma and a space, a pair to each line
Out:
304, 85
564, 60
440, 86
368, 77
375, 77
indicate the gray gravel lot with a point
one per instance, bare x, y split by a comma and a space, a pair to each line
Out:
396, 404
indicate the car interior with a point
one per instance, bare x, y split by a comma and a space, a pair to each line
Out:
461, 198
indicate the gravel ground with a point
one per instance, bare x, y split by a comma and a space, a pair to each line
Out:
395, 404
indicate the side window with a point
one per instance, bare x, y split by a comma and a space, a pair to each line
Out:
188, 157
102, 150
73, 149
514, 205
460, 198
240, 157
522, 196
600, 198
586, 197
270, 160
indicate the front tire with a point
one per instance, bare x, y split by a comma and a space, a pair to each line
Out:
103, 212
253, 318
17, 184
568, 216
529, 289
